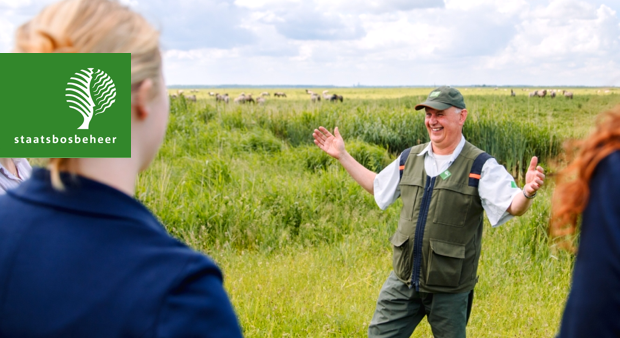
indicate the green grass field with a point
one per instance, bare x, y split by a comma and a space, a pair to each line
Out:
305, 250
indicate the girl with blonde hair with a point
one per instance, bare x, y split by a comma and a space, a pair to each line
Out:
79, 256
589, 191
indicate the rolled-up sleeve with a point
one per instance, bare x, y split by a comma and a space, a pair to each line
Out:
198, 306
385, 186
497, 189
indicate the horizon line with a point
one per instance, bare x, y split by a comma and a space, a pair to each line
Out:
181, 86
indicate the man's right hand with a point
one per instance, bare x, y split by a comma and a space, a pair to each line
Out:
333, 145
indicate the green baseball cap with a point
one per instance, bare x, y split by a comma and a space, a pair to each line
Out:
443, 98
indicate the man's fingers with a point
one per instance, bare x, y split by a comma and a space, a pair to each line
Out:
325, 132
541, 169
318, 135
533, 163
540, 175
337, 132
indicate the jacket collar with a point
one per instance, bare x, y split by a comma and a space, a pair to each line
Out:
82, 195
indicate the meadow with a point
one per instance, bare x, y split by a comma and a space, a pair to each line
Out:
305, 250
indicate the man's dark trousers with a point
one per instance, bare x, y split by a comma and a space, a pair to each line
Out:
400, 309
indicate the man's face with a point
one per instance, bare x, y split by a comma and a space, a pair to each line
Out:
444, 126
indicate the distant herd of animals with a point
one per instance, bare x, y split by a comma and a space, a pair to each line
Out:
551, 92
247, 98
326, 96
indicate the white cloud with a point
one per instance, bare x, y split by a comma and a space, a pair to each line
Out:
7, 30
388, 42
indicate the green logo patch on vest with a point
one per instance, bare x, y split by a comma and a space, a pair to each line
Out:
445, 174
434, 94
513, 184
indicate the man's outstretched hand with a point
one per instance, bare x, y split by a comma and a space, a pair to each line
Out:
534, 178
333, 145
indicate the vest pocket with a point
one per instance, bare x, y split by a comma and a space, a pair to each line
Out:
452, 207
402, 258
409, 193
445, 263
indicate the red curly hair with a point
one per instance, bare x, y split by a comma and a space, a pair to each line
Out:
572, 192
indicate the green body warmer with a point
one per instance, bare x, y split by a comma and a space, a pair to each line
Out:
437, 243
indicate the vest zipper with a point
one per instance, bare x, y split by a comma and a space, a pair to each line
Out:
419, 232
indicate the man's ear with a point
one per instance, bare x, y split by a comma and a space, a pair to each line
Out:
463, 116
140, 98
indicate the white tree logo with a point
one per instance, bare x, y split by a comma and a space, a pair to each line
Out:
95, 93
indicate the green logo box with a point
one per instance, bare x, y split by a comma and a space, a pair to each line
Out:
65, 105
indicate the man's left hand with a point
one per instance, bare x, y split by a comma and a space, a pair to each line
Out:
534, 178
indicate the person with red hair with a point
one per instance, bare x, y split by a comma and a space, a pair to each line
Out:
589, 188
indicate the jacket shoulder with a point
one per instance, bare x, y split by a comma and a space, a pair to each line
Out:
419, 148
471, 152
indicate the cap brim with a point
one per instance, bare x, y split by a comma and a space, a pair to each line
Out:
433, 104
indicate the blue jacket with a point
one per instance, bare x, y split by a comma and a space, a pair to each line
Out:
94, 262
593, 306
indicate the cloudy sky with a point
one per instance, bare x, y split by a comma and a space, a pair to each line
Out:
376, 42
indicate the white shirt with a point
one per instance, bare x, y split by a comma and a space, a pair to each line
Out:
496, 187
10, 181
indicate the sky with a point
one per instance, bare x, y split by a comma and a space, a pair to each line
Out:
376, 42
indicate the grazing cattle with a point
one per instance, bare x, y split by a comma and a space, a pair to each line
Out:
221, 98
552, 94
191, 98
329, 97
241, 98
279, 94
534, 93
264, 94
512, 93
173, 96
212, 94
607, 91
310, 92
180, 92
315, 97
260, 100
542, 93
568, 94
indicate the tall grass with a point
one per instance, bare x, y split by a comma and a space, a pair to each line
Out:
305, 250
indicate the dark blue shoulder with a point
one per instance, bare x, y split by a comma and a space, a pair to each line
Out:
402, 160
610, 164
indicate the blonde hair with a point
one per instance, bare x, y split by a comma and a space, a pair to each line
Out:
93, 26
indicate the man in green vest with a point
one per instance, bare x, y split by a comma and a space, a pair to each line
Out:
446, 185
